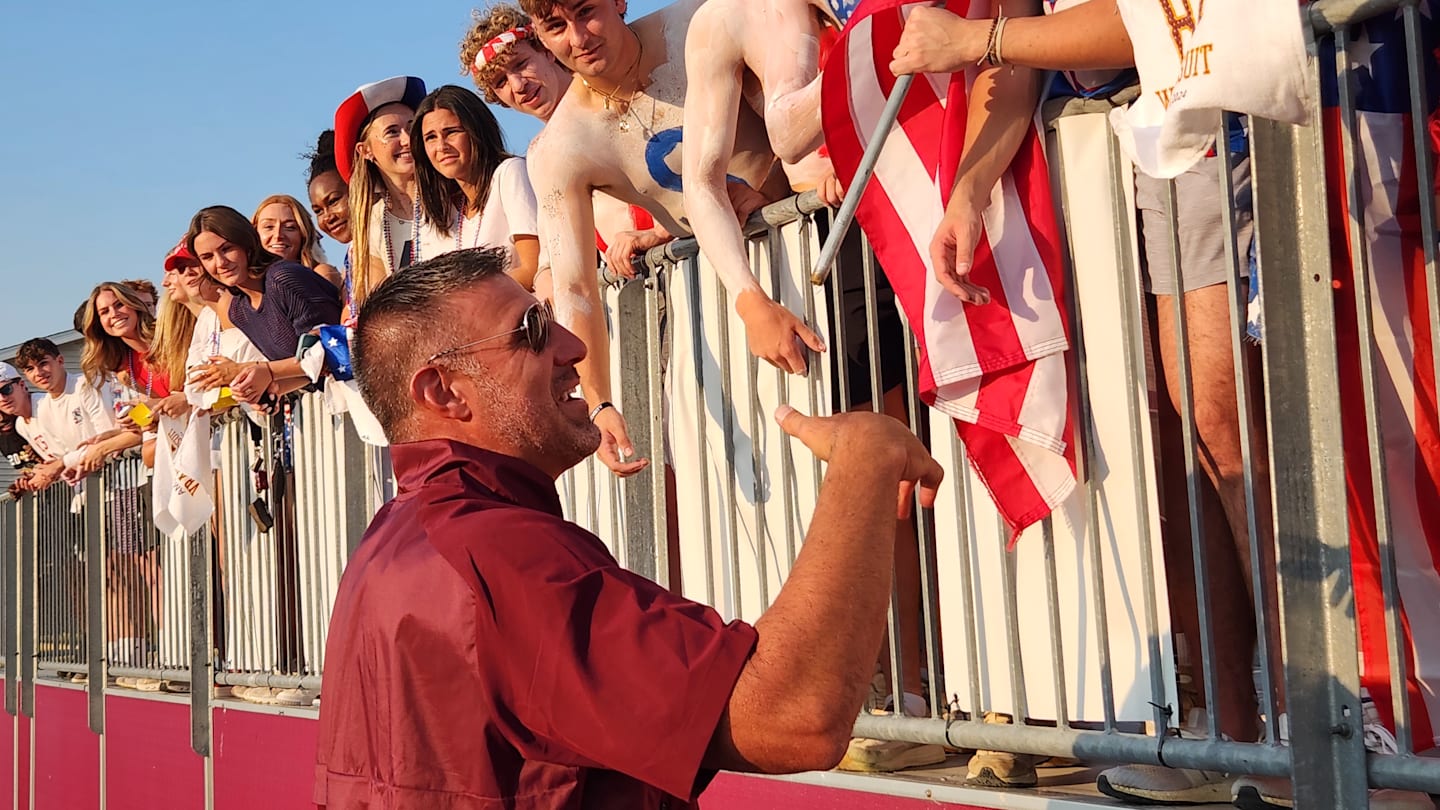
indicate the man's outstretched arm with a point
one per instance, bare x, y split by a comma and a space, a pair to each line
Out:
796, 699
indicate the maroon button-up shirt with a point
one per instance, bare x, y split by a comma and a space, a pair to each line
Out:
485, 653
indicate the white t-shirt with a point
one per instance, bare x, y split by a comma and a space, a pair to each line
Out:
59, 424
400, 238
509, 211
209, 340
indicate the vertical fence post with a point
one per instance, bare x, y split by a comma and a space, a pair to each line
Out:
644, 536
355, 494
25, 575
9, 547
1302, 388
202, 643
95, 635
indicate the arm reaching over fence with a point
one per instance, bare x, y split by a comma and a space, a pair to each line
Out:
796, 698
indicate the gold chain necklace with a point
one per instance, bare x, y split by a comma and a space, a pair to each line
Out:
610, 97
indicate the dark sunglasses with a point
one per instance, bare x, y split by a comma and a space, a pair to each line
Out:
8, 387
534, 328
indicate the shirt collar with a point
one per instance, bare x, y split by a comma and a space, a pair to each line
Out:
439, 461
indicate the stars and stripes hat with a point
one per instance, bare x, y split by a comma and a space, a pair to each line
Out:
350, 116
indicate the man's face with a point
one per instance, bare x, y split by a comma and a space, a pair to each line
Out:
532, 82
587, 35
12, 391
522, 403
47, 374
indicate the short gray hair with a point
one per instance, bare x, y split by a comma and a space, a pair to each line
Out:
402, 321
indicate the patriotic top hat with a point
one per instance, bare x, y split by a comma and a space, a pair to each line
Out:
352, 112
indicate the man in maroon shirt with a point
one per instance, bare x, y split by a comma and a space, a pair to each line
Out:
486, 653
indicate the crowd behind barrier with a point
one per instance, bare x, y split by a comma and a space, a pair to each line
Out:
1069, 640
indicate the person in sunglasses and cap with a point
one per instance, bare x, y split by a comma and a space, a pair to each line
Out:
486, 652
15, 403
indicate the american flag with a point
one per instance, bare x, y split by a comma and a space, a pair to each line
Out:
998, 369
1389, 212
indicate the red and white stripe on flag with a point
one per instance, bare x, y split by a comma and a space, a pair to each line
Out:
1388, 210
1406, 401
999, 369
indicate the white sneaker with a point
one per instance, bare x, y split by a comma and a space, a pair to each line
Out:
1156, 784
1378, 738
1268, 792
294, 697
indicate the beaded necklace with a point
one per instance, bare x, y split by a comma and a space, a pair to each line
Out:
134, 380
414, 233
460, 230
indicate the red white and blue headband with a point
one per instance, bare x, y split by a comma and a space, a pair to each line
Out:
498, 45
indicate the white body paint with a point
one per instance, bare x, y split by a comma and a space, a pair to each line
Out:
582, 150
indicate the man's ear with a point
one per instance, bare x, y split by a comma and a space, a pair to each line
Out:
431, 391
620, 7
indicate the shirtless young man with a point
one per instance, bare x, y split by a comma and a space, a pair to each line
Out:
512, 69
618, 130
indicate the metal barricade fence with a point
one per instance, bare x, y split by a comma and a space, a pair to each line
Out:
59, 554
1073, 639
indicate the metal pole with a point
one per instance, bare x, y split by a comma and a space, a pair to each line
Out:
863, 173
1322, 676
201, 641
95, 595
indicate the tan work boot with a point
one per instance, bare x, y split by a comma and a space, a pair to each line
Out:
883, 756
1000, 769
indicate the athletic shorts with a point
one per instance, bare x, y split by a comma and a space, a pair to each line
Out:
1201, 218
849, 273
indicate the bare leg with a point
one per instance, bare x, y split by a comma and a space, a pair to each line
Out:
1218, 432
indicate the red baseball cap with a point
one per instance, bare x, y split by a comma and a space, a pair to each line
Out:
352, 112
178, 255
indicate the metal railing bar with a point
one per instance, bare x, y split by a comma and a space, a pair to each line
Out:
1186, 399
774, 249
657, 297
691, 269
727, 426
1057, 640
924, 531
965, 532
757, 456
1095, 746
1260, 587
1020, 708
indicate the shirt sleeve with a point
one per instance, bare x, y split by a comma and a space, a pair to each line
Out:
307, 299
517, 197
595, 666
98, 409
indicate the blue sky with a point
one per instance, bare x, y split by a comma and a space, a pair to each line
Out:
124, 119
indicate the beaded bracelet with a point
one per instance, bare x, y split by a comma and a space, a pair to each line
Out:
995, 57
989, 43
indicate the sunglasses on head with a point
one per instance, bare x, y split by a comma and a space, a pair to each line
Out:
534, 329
